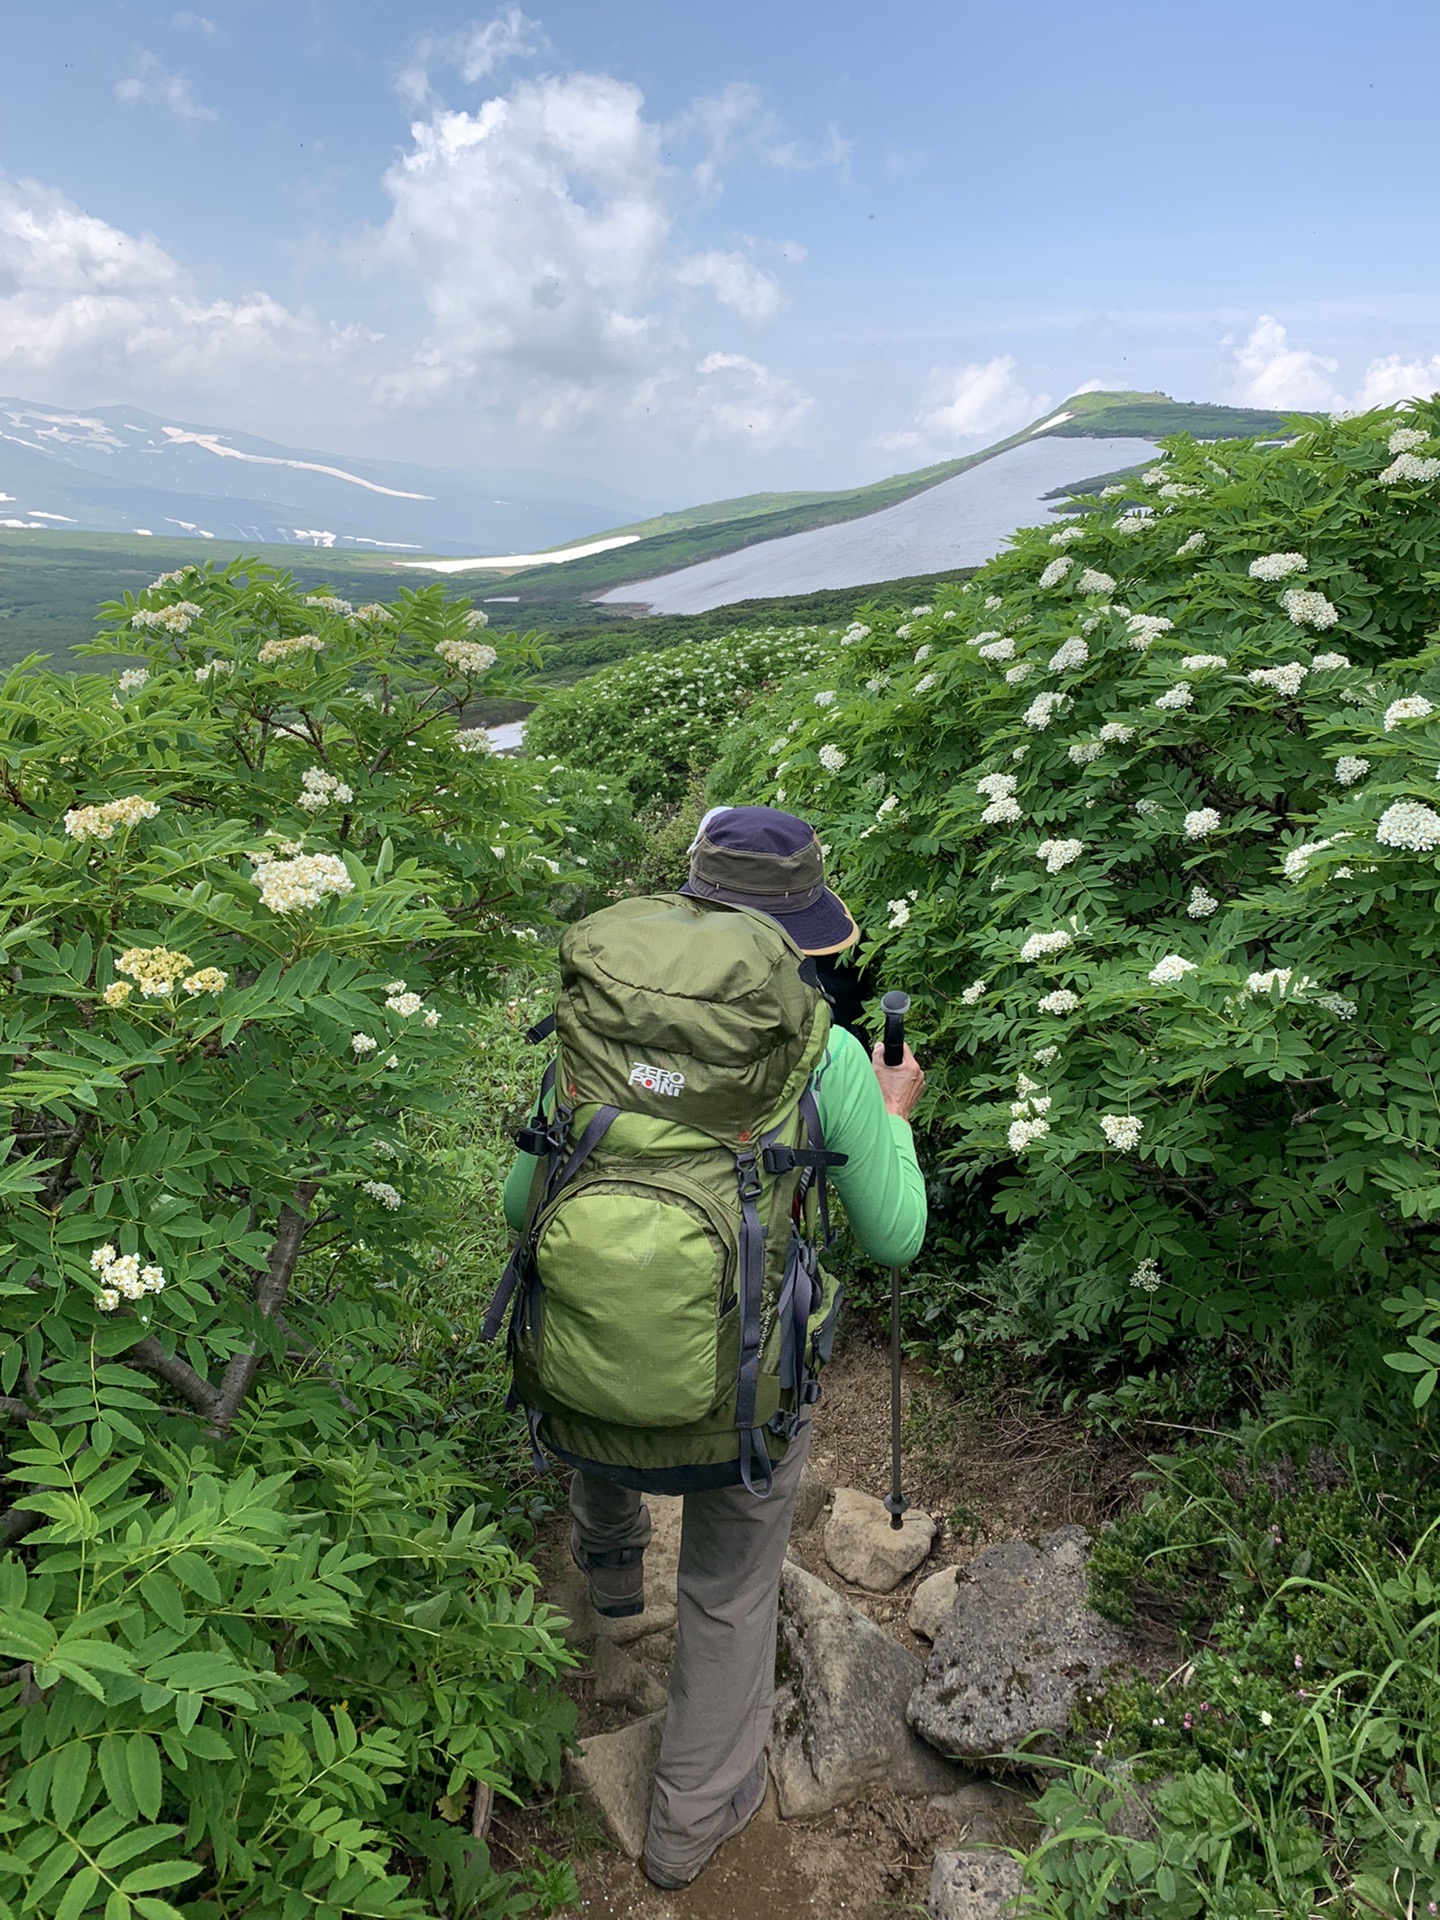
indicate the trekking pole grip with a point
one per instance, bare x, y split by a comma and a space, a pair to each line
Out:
895, 1006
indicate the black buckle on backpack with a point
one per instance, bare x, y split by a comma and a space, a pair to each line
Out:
748, 1175
534, 1140
777, 1159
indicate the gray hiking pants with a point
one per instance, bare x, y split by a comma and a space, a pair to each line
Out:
722, 1678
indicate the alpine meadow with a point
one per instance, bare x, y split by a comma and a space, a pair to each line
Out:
1144, 812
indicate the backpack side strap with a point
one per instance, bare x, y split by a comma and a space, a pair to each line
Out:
519, 1263
753, 1457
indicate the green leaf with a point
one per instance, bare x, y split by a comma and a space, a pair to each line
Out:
146, 1780
78, 1894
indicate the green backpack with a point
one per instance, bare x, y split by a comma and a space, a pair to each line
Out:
669, 1314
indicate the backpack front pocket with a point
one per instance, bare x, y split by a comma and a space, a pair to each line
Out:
632, 1277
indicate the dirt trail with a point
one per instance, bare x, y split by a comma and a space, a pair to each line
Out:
982, 1482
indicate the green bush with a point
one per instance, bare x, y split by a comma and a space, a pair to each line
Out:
1149, 813
653, 721
269, 1627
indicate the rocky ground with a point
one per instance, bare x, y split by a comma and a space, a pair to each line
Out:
867, 1804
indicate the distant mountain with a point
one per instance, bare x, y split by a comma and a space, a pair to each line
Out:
657, 548
118, 470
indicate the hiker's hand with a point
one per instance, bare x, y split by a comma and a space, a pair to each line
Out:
902, 1086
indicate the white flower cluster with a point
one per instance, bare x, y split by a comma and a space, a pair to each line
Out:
925, 683
99, 823
1349, 768
1066, 536
1147, 1277
1278, 978
1016, 675
466, 656
995, 786
1045, 1055
1122, 1130
1200, 821
174, 579
1155, 476
975, 991
1202, 662
1410, 466
319, 788
1193, 545
1171, 970
854, 634
373, 614
832, 758
1112, 492
1061, 1000
1147, 808
290, 886
1337, 1004
1307, 609
214, 670
363, 1044
475, 618
1043, 708
1135, 521
1117, 732
1002, 649
1329, 662
1299, 858
887, 805
1145, 628
1093, 581
1073, 653
1178, 490
274, 650
328, 603
1024, 1133
1178, 696
900, 911
1277, 566
825, 698
1406, 439
1058, 854
1287, 679
382, 1191
1082, 752
123, 1278
903, 633
1040, 946
1054, 573
1409, 824
923, 653
918, 613
1201, 904
472, 740
133, 679
1416, 707
177, 619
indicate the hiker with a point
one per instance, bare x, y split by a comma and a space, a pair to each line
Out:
666, 1337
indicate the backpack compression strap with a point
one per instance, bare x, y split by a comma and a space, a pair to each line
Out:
753, 1456
519, 1262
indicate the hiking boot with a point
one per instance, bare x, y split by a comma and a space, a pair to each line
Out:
617, 1578
745, 1803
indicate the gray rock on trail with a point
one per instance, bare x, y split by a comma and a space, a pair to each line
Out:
1020, 1644
809, 1501
972, 1884
839, 1727
615, 1773
621, 1680
863, 1547
931, 1602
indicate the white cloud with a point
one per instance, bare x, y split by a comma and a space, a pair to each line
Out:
152, 84
86, 304
743, 400
1396, 378
475, 51
735, 283
961, 403
803, 156
187, 22
1268, 372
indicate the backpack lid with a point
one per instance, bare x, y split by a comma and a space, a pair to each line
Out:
689, 1011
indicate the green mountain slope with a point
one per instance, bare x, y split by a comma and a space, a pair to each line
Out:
674, 540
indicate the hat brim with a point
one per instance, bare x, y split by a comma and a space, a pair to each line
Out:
823, 928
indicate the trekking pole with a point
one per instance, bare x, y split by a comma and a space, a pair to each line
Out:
895, 1006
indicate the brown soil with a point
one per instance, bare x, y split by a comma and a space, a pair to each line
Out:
1005, 1475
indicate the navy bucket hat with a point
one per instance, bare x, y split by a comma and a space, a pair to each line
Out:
771, 862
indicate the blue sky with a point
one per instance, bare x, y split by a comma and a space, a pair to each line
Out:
697, 251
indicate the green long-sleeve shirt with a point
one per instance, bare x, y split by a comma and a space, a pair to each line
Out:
881, 1183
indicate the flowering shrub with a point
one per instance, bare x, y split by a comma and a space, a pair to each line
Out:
265, 1632
651, 721
1234, 947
